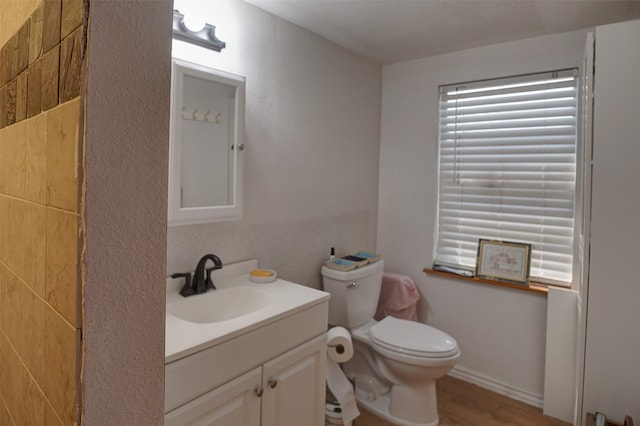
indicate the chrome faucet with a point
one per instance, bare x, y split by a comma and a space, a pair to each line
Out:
202, 281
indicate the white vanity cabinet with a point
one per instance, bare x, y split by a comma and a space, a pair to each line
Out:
288, 390
263, 368
293, 385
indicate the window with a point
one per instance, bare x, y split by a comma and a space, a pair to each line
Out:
507, 170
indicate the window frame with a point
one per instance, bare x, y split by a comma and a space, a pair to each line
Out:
481, 85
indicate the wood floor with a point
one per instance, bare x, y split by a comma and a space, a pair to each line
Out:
464, 404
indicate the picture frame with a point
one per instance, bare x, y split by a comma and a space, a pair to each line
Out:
504, 261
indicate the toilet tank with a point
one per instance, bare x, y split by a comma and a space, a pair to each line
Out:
352, 305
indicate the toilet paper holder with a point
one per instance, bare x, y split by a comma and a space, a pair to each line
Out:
339, 347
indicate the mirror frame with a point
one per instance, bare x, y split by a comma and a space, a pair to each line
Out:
178, 215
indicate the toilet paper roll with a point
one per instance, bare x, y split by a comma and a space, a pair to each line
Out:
339, 345
342, 389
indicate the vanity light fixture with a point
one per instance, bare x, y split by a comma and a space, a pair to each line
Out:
206, 37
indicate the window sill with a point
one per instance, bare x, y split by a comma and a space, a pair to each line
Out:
532, 287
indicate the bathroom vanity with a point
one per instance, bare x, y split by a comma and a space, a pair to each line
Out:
245, 354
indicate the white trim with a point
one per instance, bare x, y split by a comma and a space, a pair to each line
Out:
495, 385
586, 116
560, 354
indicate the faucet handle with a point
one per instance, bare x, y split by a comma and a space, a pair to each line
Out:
187, 288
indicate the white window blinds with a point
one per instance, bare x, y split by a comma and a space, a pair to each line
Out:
507, 158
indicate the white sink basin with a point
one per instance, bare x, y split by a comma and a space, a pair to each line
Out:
220, 305
237, 307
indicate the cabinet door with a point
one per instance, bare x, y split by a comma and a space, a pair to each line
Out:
232, 404
294, 386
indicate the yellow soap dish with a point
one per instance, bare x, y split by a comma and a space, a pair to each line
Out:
263, 276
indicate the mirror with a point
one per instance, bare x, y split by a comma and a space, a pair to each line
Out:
205, 167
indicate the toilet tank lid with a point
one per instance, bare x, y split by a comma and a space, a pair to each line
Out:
413, 338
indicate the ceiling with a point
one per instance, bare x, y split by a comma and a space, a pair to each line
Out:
388, 31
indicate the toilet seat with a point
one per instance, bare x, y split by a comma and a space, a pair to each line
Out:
413, 339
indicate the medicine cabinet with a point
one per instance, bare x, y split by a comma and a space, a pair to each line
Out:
205, 159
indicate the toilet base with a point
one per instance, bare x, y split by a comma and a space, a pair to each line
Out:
380, 407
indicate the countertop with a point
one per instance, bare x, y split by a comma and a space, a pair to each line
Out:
183, 338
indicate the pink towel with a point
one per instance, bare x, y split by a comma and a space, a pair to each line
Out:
398, 297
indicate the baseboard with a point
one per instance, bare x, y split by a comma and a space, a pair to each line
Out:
497, 386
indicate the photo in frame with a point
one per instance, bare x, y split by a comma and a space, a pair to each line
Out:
503, 261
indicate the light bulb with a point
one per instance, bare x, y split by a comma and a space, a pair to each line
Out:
194, 22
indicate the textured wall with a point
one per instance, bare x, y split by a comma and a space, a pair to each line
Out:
501, 332
40, 319
311, 157
126, 146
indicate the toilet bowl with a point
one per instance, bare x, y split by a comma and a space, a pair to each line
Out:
396, 362
410, 357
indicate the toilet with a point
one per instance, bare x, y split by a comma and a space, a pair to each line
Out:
396, 362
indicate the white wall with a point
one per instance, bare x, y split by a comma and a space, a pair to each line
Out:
311, 157
501, 332
126, 149
612, 374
